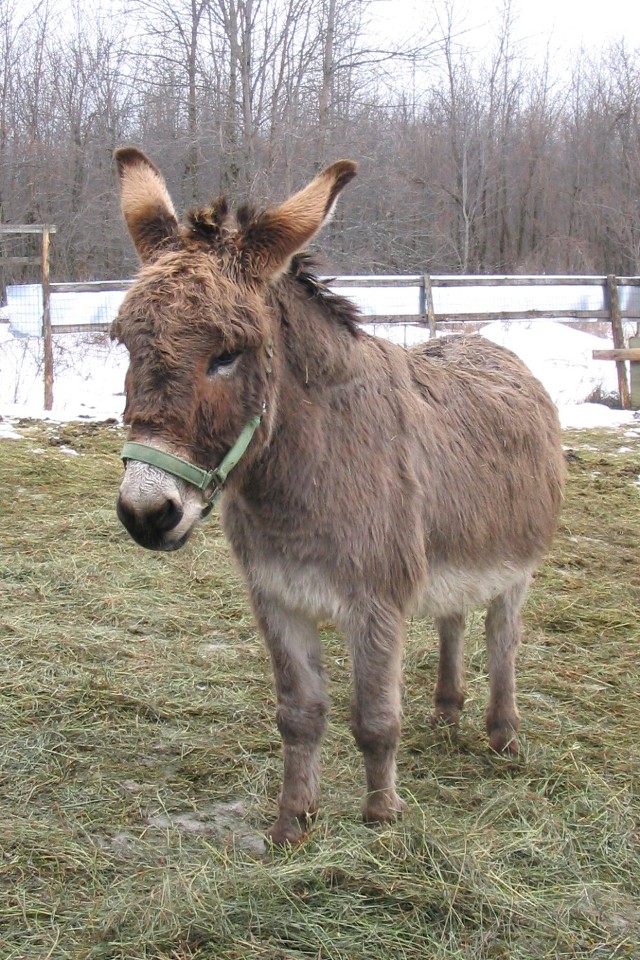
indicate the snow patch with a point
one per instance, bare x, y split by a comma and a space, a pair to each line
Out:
583, 416
7, 432
559, 356
90, 372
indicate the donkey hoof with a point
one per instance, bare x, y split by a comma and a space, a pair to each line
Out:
445, 715
504, 742
383, 808
290, 829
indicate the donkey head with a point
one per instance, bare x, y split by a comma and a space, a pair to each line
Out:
201, 335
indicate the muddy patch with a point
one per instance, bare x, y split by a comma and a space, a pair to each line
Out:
226, 822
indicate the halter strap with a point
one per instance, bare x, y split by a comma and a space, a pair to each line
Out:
196, 476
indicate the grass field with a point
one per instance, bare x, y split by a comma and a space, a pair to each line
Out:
140, 762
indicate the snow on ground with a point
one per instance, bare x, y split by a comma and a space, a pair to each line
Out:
89, 373
90, 370
561, 357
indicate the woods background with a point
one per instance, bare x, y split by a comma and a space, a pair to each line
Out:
500, 163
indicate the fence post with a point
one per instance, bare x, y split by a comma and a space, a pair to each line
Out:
428, 305
618, 340
46, 322
634, 369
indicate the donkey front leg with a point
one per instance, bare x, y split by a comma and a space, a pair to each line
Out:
376, 650
502, 628
302, 704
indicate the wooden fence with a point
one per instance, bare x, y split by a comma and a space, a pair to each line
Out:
608, 285
40, 261
430, 302
427, 312
611, 309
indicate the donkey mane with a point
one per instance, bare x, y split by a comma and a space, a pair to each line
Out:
212, 224
304, 271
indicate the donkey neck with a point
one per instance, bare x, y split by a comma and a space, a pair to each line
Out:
334, 386
321, 339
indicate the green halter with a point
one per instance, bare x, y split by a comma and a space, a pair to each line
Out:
202, 479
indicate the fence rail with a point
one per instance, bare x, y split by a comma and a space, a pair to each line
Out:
418, 300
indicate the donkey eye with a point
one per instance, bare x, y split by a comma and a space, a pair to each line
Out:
221, 363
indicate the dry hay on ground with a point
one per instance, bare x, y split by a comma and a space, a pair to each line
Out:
131, 816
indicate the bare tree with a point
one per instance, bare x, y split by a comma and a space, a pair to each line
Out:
468, 164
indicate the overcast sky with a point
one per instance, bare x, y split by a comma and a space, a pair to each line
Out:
563, 25
574, 21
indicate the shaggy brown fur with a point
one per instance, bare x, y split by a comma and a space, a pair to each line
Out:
381, 480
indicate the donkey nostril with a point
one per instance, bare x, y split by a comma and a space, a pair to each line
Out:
145, 524
165, 517
126, 516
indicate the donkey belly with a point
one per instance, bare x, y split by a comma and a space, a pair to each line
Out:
304, 588
458, 590
309, 590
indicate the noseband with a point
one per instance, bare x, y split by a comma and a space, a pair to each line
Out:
196, 476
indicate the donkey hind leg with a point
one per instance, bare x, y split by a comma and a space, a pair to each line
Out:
449, 692
302, 704
502, 628
376, 651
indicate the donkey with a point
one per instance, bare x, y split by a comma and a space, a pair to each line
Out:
360, 482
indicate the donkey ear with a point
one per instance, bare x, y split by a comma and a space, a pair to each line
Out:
269, 241
146, 204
